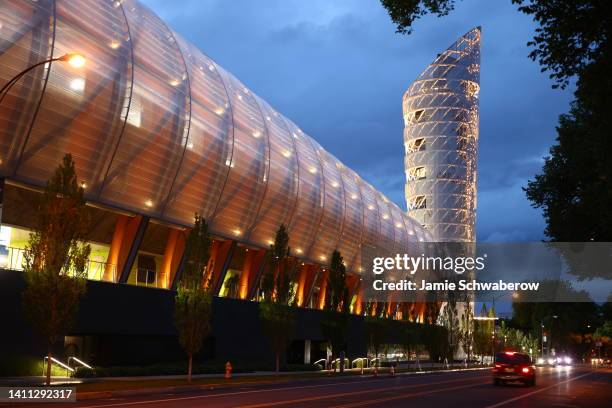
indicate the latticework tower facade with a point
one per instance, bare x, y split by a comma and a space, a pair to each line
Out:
441, 140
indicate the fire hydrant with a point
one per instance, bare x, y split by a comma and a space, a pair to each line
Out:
228, 370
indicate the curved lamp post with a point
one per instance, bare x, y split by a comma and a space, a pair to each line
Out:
73, 59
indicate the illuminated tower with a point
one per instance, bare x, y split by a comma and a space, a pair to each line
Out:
441, 141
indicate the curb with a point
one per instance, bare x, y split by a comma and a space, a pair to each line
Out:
81, 396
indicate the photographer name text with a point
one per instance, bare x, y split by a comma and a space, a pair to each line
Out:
463, 284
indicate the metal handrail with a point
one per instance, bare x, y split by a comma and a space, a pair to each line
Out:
79, 362
69, 370
15, 261
146, 273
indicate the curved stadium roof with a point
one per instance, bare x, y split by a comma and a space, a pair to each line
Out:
158, 128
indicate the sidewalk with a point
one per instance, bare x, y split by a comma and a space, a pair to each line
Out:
261, 378
107, 387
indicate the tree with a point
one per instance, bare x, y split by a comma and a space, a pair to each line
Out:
450, 320
404, 12
482, 334
606, 308
375, 330
409, 337
435, 339
278, 325
334, 323
603, 338
337, 291
193, 300
563, 321
334, 327
275, 314
466, 330
56, 257
574, 188
277, 281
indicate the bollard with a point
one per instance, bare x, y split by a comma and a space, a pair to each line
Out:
392, 371
361, 371
228, 370
375, 371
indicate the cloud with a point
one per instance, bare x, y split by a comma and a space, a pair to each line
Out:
338, 70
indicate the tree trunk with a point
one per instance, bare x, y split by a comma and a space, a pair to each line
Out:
190, 367
277, 362
48, 374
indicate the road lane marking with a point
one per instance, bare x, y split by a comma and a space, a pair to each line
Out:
499, 404
227, 394
404, 396
351, 393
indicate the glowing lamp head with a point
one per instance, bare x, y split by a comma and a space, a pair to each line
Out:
74, 59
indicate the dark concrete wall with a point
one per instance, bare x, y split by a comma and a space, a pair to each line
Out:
124, 324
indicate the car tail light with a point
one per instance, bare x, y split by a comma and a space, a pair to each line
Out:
526, 370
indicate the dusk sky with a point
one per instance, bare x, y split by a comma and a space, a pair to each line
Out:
338, 70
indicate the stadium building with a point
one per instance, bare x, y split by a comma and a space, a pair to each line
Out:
158, 132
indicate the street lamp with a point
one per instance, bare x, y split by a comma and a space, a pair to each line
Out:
73, 59
542, 332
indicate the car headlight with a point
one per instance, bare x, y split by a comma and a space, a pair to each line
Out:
551, 361
540, 360
567, 360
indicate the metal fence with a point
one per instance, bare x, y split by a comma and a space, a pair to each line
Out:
14, 259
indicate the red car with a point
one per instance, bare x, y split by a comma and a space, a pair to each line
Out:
511, 366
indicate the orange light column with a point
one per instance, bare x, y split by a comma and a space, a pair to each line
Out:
323, 289
175, 246
358, 309
303, 275
252, 266
126, 228
220, 259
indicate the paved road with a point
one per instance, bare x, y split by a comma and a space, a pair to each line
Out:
557, 387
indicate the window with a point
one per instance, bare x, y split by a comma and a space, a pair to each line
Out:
512, 358
416, 145
418, 114
146, 270
447, 173
419, 203
416, 173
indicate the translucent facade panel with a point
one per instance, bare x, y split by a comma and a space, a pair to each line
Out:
281, 193
371, 214
441, 136
332, 222
308, 212
80, 112
387, 227
203, 171
350, 241
146, 159
401, 235
26, 38
411, 227
158, 129
248, 173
